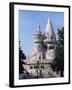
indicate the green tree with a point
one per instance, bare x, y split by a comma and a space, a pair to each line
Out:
58, 63
21, 58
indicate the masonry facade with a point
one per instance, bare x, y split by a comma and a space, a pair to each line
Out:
45, 44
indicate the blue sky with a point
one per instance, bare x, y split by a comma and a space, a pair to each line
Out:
28, 20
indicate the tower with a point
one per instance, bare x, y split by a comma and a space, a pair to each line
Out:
38, 39
50, 41
38, 43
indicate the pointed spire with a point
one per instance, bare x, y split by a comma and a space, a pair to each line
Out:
49, 32
49, 26
38, 29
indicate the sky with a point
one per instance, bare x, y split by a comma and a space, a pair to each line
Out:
28, 21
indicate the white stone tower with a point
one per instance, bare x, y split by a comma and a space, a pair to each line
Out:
50, 41
38, 41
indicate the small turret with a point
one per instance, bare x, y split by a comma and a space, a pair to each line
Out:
38, 39
38, 35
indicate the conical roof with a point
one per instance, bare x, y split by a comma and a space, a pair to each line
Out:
38, 35
38, 29
49, 32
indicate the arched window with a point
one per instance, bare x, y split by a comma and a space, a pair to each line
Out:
51, 37
42, 67
43, 57
36, 67
51, 47
39, 57
31, 67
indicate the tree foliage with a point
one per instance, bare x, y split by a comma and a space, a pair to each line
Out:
58, 62
21, 58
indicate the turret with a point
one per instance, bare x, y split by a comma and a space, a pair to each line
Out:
49, 32
50, 40
38, 39
38, 35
